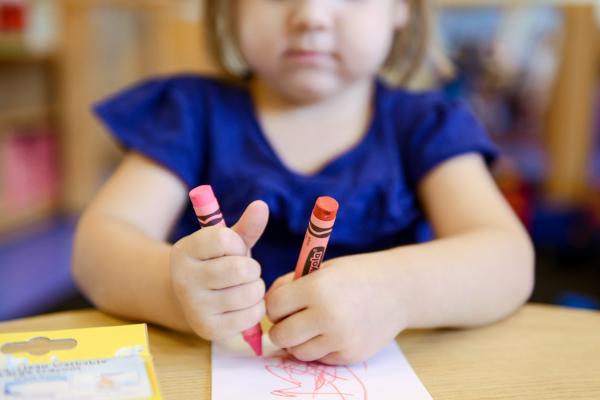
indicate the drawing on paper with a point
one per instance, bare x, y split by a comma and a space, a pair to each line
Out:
238, 374
314, 380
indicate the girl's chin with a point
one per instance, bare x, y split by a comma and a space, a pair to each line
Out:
309, 89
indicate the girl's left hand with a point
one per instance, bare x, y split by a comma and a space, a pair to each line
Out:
341, 314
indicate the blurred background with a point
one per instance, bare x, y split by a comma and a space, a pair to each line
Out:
529, 68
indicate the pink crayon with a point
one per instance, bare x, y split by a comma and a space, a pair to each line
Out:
317, 236
209, 214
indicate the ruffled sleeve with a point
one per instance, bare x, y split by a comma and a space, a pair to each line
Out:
161, 118
441, 129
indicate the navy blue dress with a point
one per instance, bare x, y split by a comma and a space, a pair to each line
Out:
206, 131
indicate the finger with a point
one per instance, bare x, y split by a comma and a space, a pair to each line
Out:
337, 358
214, 242
231, 323
252, 223
238, 297
285, 300
314, 349
282, 280
294, 330
228, 271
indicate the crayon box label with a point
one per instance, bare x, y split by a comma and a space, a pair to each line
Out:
93, 363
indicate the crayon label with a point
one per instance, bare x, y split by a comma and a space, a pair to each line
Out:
214, 218
313, 261
319, 232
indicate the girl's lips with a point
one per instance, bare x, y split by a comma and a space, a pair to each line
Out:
308, 56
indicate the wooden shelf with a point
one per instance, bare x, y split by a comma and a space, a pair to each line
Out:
23, 117
25, 58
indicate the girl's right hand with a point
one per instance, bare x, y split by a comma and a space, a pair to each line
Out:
216, 281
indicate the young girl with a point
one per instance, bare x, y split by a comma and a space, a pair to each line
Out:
307, 115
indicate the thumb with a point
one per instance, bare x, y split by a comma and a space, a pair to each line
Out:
253, 222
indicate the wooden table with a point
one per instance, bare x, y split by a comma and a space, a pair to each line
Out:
541, 352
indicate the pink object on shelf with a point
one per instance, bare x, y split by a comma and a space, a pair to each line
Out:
29, 168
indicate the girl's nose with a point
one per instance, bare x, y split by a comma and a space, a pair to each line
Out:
311, 15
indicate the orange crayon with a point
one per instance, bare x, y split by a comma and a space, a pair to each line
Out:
209, 214
317, 235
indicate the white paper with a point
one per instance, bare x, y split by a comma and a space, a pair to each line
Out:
238, 374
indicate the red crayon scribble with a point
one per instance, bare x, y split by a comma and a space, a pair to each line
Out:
315, 380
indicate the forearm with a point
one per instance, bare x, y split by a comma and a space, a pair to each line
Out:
469, 279
125, 272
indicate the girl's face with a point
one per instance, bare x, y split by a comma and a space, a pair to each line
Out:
307, 50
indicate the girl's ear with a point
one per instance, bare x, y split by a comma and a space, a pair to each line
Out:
400, 13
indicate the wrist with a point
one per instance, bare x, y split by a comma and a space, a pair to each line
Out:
387, 285
402, 284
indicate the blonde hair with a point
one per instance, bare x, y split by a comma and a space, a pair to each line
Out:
410, 49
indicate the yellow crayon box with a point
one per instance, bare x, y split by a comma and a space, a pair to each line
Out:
93, 363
